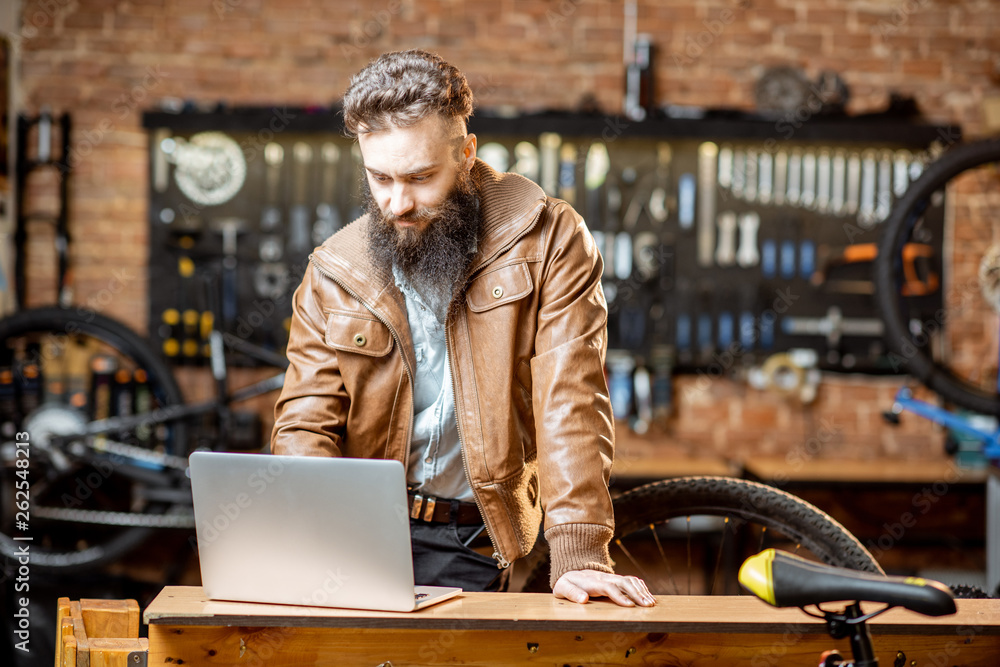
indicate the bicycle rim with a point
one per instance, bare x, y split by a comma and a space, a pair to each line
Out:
59, 543
953, 351
690, 535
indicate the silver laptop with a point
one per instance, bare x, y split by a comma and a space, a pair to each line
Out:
326, 532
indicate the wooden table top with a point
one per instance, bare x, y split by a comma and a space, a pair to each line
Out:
629, 466
188, 606
853, 470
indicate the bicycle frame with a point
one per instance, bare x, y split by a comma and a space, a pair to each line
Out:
173, 413
991, 439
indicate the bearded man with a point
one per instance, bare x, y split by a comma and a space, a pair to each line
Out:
459, 327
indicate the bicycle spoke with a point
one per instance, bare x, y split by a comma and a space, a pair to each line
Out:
663, 555
628, 554
688, 521
718, 556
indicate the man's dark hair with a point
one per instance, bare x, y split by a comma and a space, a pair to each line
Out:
402, 88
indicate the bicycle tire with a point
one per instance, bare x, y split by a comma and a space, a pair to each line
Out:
163, 387
738, 500
917, 358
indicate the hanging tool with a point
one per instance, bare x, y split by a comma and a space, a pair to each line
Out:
526, 161
614, 204
918, 274
780, 177
750, 176
707, 154
746, 254
25, 164
794, 191
883, 200
686, 187
807, 198
833, 326
769, 258
595, 173
838, 173
567, 173
853, 184
901, 172
229, 229
495, 155
646, 231
725, 177
739, 174
299, 224
159, 164
765, 176
210, 167
549, 162
725, 253
328, 218
823, 168
869, 178
271, 246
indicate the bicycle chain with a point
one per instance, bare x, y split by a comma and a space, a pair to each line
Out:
108, 518
125, 519
134, 452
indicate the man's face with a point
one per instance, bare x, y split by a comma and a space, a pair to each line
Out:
422, 205
412, 170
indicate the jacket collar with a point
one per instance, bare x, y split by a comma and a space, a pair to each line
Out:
510, 206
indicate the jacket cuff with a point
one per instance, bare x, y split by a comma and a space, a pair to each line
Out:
578, 546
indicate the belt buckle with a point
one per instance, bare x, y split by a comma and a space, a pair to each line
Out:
429, 506
418, 501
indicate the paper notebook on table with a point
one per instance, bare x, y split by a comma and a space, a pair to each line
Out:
327, 532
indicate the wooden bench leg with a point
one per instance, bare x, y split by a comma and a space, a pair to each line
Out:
99, 633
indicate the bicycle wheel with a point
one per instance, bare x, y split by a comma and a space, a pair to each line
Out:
689, 536
952, 349
88, 501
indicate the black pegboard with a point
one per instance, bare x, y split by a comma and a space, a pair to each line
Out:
731, 310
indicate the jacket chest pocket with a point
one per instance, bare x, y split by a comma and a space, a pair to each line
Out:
357, 333
499, 286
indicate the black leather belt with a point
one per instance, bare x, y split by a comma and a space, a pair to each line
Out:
435, 510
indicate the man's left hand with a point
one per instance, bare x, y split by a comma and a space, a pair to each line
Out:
581, 585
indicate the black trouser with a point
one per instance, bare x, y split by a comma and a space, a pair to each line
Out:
444, 555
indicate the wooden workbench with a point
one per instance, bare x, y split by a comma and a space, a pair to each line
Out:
803, 470
537, 629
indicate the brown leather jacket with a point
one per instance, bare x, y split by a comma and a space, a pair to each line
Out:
527, 357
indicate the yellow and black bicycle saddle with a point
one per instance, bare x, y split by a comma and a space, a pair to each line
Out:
785, 580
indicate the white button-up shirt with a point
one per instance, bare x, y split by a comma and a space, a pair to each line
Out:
435, 467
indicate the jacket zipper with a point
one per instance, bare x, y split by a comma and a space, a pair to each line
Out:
502, 562
395, 337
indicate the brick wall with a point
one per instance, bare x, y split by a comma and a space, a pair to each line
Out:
108, 60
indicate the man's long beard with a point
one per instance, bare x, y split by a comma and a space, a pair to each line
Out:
433, 260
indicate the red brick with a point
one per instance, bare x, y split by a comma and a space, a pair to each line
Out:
825, 16
803, 39
83, 19
133, 22
931, 68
